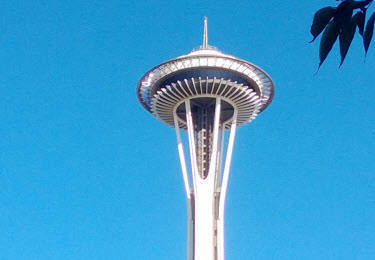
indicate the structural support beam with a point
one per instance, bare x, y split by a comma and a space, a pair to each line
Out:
224, 185
189, 199
190, 130
181, 154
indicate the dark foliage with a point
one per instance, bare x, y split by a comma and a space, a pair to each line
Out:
346, 38
361, 4
321, 19
339, 22
329, 38
367, 35
360, 19
344, 12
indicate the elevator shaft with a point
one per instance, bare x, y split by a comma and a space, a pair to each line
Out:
203, 117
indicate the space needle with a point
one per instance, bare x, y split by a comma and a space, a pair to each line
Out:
208, 94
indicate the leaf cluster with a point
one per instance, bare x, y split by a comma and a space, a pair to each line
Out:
340, 23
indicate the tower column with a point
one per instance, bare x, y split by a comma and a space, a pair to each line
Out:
204, 220
204, 228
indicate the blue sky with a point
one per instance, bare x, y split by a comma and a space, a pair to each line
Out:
87, 173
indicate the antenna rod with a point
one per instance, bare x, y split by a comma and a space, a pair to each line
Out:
205, 36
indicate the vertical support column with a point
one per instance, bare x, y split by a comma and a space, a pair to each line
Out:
204, 191
181, 154
213, 158
220, 157
189, 199
193, 154
224, 185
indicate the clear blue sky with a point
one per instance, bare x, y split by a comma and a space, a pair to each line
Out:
87, 173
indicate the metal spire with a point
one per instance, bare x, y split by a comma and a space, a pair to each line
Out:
205, 36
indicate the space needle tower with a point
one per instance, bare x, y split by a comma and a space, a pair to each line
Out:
208, 94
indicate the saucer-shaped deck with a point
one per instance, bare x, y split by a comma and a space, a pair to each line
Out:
202, 76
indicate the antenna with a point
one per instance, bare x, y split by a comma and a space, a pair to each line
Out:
205, 34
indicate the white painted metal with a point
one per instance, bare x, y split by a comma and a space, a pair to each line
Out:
205, 202
188, 191
213, 157
205, 34
224, 186
190, 128
182, 157
228, 161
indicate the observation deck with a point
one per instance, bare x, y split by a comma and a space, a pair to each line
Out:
201, 76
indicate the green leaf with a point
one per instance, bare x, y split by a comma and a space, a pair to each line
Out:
321, 19
369, 31
329, 38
